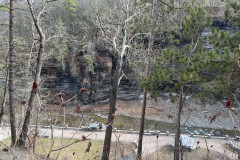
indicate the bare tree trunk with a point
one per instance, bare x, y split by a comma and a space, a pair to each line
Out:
36, 127
112, 109
10, 83
115, 81
24, 131
4, 96
26, 123
139, 151
178, 131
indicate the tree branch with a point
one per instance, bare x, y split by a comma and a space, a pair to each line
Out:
67, 145
114, 39
165, 3
37, 19
119, 80
101, 28
195, 45
129, 18
137, 35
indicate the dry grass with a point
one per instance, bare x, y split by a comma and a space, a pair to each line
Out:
166, 153
74, 152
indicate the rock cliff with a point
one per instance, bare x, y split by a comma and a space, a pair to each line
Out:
72, 74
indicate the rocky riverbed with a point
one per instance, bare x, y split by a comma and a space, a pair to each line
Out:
196, 117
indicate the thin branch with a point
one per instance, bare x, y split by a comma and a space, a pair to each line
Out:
124, 46
129, 18
196, 45
121, 78
165, 3
235, 125
137, 35
114, 39
207, 148
64, 102
56, 36
67, 145
192, 50
76, 131
102, 29
52, 140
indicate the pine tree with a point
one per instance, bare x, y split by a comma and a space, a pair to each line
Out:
215, 71
181, 64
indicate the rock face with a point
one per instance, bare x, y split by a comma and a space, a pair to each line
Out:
72, 75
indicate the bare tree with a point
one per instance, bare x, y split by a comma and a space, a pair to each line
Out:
42, 41
113, 18
11, 70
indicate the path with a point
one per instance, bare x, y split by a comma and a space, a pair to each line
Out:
150, 142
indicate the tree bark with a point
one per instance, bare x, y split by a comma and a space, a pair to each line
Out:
112, 109
115, 81
24, 131
11, 70
139, 151
178, 131
26, 123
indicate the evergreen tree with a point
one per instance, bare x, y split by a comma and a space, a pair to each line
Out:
215, 71
181, 66
232, 13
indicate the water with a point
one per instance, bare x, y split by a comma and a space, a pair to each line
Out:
207, 32
127, 123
